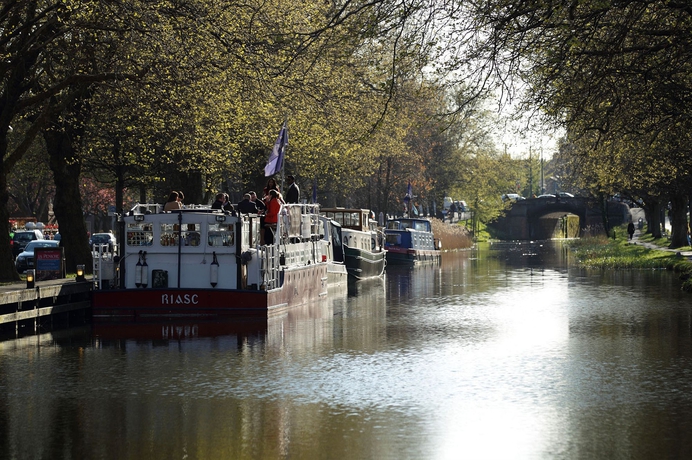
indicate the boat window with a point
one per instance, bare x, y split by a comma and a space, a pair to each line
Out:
169, 234
394, 239
221, 235
139, 234
191, 234
354, 219
339, 217
393, 225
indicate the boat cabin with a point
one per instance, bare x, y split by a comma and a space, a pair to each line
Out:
421, 225
203, 247
352, 219
409, 233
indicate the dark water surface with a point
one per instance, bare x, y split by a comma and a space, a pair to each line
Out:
500, 353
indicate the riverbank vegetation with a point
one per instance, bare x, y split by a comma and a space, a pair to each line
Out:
619, 253
453, 236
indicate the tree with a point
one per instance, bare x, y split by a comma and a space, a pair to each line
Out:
31, 186
42, 74
614, 74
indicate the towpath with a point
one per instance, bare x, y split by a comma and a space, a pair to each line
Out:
638, 213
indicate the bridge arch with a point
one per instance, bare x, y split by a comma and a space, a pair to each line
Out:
523, 220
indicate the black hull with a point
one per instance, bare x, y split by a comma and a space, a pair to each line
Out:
403, 256
362, 264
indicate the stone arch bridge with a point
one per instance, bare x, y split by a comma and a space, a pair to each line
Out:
544, 218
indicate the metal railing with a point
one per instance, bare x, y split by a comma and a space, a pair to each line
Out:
104, 266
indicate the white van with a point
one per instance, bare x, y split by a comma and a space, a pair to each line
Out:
512, 197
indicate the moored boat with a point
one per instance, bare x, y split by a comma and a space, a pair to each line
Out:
336, 268
362, 243
410, 241
206, 263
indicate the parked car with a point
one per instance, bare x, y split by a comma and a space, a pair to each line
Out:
25, 259
565, 195
22, 238
103, 238
512, 197
546, 195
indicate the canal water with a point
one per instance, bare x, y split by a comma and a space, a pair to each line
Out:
505, 352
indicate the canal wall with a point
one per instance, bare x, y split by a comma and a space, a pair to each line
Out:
26, 310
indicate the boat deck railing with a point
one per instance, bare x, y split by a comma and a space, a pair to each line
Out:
270, 267
157, 208
104, 265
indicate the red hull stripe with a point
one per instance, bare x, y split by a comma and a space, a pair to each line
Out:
306, 285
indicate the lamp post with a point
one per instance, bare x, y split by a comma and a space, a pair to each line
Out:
80, 274
30, 277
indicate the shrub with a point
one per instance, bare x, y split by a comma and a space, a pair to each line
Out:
453, 236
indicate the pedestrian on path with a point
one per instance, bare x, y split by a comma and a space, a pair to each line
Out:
630, 229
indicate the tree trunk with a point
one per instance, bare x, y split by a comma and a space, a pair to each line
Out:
119, 194
647, 217
603, 204
119, 177
678, 234
654, 219
7, 269
68, 201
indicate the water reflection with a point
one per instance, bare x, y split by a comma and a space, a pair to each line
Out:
507, 352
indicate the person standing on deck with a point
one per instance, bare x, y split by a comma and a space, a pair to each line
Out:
247, 206
272, 216
293, 192
259, 203
220, 200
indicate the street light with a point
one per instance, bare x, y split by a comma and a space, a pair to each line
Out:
30, 276
80, 274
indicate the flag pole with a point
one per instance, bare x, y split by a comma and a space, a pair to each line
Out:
284, 158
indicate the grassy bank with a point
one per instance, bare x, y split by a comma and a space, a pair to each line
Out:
619, 253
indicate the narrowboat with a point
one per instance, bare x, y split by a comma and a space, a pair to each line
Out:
410, 241
204, 262
362, 242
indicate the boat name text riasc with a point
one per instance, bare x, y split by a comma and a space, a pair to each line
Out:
186, 299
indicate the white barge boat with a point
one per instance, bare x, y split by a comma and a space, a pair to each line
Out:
206, 263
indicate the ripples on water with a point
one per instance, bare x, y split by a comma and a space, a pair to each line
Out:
503, 353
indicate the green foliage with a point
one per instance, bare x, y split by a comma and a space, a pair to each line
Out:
616, 76
201, 89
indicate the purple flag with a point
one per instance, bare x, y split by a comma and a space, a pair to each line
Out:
276, 159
